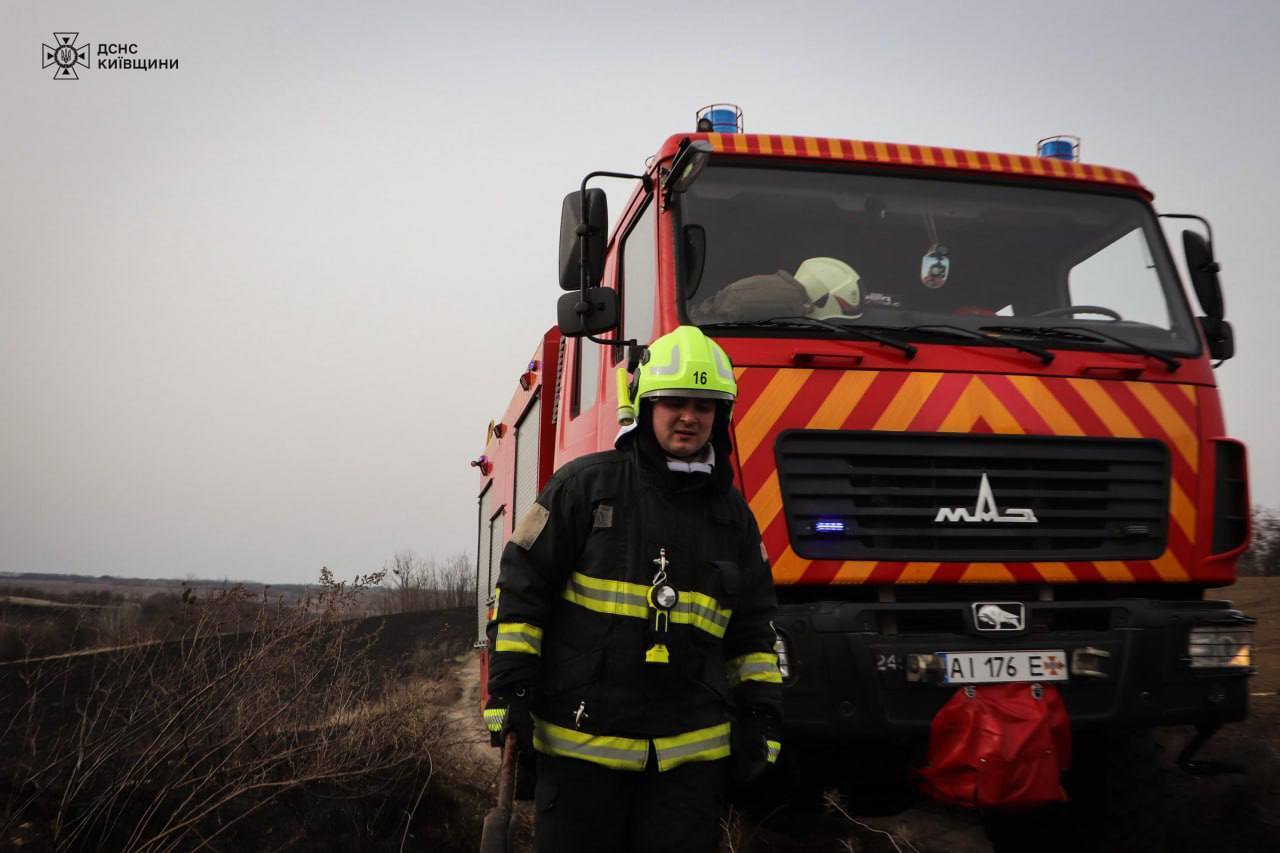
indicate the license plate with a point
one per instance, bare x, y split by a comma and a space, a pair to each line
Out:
1003, 667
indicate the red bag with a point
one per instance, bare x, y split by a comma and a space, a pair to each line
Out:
999, 746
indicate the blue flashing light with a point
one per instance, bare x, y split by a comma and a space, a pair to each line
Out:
826, 525
723, 121
719, 118
1059, 147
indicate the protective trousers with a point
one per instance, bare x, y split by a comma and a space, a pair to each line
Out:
582, 807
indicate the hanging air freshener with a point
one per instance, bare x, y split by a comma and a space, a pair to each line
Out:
935, 266
936, 263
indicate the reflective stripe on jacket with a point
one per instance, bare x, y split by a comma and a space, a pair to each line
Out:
624, 753
573, 619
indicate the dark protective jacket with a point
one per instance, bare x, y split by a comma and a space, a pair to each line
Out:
572, 622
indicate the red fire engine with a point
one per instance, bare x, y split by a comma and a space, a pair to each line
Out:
977, 423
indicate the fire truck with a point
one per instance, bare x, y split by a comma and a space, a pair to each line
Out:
977, 422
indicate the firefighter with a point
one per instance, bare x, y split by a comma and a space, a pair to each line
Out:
631, 640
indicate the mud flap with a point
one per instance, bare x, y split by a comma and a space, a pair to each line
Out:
999, 746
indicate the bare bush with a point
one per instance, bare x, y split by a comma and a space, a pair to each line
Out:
170, 746
455, 578
1263, 555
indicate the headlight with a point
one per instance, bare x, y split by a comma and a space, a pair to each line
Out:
1219, 646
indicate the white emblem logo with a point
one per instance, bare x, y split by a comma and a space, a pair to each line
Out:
999, 616
985, 510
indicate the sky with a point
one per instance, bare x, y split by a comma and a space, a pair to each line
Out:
256, 312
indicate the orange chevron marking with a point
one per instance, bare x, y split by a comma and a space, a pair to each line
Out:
1180, 433
918, 572
854, 571
987, 573
841, 399
978, 401
767, 501
1115, 420
1182, 510
789, 566
1046, 405
1055, 572
771, 403
881, 152
907, 402
1188, 391
1114, 570
1168, 567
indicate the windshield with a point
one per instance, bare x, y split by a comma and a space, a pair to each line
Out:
897, 253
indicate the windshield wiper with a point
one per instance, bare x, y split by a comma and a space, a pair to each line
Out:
800, 321
1080, 333
1044, 355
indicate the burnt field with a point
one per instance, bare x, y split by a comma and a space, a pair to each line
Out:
317, 731
306, 729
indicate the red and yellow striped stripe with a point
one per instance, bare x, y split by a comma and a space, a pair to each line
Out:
771, 400
889, 153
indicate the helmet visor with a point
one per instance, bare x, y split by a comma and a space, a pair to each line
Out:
687, 392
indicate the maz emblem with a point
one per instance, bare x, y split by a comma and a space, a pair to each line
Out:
999, 616
985, 510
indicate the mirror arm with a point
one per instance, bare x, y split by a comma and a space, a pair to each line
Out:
1208, 229
583, 229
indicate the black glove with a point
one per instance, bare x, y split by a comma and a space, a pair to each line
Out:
755, 744
511, 713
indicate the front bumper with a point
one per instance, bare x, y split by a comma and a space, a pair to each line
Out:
848, 663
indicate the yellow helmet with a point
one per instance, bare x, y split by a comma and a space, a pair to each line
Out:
683, 363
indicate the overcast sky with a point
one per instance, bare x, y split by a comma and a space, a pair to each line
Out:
256, 312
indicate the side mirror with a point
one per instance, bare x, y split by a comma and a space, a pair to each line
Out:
587, 313
695, 257
578, 231
1220, 337
1204, 273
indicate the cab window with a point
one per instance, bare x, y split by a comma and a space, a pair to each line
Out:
586, 373
639, 277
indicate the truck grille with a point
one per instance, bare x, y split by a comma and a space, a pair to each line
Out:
920, 496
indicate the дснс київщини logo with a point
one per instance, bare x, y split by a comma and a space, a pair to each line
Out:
66, 55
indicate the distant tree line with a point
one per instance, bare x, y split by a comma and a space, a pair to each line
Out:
428, 583
1263, 557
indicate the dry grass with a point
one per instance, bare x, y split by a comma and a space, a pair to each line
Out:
284, 732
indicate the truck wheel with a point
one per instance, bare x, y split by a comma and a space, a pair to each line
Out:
1118, 786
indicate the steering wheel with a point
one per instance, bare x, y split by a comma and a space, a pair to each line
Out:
1072, 310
